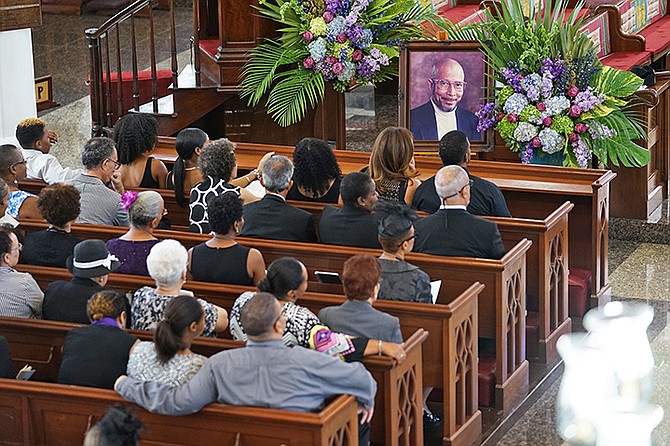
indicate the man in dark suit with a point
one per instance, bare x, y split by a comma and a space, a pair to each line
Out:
353, 224
485, 197
452, 230
441, 114
271, 217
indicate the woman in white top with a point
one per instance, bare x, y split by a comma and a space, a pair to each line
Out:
169, 359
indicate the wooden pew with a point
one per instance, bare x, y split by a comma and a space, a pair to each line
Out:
503, 301
450, 352
398, 402
37, 413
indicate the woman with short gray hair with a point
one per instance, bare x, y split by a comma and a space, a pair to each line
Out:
145, 211
167, 264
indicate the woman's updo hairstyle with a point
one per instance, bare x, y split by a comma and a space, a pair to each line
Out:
119, 427
146, 207
106, 303
180, 312
284, 275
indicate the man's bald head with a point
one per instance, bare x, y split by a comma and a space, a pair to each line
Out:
450, 181
447, 84
259, 316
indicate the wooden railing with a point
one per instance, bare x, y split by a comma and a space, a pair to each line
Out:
105, 61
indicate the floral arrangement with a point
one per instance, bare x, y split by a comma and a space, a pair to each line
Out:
553, 95
127, 199
343, 42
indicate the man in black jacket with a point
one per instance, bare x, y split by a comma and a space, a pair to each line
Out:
452, 230
353, 224
272, 217
485, 197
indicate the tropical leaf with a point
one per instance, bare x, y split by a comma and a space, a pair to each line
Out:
616, 83
599, 111
293, 93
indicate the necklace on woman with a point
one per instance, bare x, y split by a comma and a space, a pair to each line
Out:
188, 169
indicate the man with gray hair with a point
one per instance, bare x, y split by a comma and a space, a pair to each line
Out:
452, 230
100, 185
272, 217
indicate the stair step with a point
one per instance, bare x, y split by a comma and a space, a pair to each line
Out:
165, 106
186, 78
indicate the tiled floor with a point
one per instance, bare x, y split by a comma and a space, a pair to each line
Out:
639, 263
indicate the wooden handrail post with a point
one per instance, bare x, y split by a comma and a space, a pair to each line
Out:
95, 78
152, 55
173, 47
196, 41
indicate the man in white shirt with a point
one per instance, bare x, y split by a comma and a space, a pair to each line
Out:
441, 114
36, 141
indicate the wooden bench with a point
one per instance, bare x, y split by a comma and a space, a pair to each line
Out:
35, 413
449, 353
398, 402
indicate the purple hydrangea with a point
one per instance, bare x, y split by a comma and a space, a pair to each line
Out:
516, 103
336, 27
554, 68
546, 86
586, 100
486, 116
600, 131
356, 9
512, 78
527, 154
336, 6
582, 152
531, 84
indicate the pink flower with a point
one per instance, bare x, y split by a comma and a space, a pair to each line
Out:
308, 36
341, 38
337, 68
330, 60
308, 62
357, 55
541, 106
512, 117
500, 116
536, 142
575, 111
127, 199
580, 128
572, 137
572, 91
328, 16
547, 121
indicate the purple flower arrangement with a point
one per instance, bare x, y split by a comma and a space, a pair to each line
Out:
550, 111
339, 36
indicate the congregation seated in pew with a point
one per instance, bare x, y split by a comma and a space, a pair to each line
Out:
316, 176
392, 165
265, 374
169, 359
400, 280
222, 259
355, 223
167, 265
100, 205
20, 295
287, 281
59, 205
219, 171
90, 266
360, 278
135, 135
485, 197
96, 355
453, 231
273, 218
20, 204
145, 211
185, 173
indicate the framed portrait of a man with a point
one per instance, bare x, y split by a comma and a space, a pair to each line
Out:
441, 87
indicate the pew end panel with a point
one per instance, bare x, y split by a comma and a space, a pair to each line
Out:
60, 415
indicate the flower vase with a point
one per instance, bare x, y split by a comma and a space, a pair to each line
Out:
547, 159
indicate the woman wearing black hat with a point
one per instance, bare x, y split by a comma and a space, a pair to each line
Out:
400, 280
90, 266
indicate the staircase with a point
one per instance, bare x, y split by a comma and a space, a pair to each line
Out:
202, 93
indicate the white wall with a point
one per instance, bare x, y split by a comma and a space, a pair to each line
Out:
17, 82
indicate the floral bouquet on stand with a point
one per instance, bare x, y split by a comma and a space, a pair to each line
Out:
344, 42
553, 97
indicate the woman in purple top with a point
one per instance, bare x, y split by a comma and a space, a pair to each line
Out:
145, 210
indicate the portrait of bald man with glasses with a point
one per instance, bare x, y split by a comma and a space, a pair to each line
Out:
441, 114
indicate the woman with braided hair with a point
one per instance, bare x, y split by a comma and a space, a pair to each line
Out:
317, 176
169, 359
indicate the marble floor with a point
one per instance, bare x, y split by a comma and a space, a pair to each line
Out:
639, 251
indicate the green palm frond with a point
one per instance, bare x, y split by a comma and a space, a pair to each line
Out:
293, 93
616, 83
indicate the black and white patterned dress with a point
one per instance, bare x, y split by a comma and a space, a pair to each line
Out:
200, 196
147, 310
143, 364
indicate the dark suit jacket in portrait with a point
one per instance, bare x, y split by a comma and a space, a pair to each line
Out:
348, 226
360, 319
273, 218
456, 232
423, 124
485, 198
